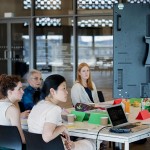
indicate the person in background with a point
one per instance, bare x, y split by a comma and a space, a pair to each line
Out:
84, 89
10, 92
45, 116
32, 91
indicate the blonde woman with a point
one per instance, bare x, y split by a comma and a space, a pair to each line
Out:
84, 89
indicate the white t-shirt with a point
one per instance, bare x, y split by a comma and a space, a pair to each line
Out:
44, 111
3, 108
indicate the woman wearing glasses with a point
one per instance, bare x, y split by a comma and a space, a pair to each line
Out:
32, 91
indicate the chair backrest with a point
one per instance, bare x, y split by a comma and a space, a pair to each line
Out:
10, 138
100, 96
21, 106
35, 142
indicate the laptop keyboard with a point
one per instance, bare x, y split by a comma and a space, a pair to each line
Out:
128, 126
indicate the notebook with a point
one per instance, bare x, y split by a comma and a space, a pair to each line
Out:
119, 120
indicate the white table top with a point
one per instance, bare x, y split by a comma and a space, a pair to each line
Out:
86, 130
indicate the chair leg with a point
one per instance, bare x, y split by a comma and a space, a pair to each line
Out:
114, 146
117, 146
110, 144
103, 145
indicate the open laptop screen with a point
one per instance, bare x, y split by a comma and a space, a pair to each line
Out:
116, 115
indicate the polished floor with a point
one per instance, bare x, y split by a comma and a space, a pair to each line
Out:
135, 146
145, 146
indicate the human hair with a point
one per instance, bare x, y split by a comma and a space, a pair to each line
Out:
31, 72
52, 81
89, 80
7, 82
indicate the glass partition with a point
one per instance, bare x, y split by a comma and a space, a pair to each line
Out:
13, 57
53, 49
103, 52
60, 31
95, 47
3, 48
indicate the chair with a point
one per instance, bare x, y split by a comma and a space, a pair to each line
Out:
35, 142
10, 138
100, 96
21, 106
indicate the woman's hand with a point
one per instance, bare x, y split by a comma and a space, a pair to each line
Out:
66, 135
69, 145
25, 114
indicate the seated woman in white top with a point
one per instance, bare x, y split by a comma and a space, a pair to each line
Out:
84, 89
10, 92
45, 117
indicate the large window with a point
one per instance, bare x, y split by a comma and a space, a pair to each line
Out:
64, 36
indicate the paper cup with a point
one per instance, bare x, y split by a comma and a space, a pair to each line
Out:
71, 118
104, 121
127, 115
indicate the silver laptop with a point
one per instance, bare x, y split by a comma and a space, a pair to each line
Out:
118, 119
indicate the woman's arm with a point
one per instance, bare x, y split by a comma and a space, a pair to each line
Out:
13, 114
51, 131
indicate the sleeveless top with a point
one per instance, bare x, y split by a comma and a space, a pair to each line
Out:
3, 108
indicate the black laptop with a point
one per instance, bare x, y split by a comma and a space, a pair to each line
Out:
119, 120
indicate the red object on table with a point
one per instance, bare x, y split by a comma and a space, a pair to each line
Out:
117, 101
144, 114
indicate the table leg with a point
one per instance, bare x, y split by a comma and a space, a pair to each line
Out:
120, 146
116, 146
126, 146
98, 144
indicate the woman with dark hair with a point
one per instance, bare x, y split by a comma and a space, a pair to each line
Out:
10, 92
45, 117
84, 89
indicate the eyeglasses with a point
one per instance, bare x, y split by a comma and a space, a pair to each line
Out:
36, 79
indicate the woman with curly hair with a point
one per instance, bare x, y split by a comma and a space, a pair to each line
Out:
10, 92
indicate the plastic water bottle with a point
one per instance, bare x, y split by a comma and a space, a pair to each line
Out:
123, 104
142, 104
